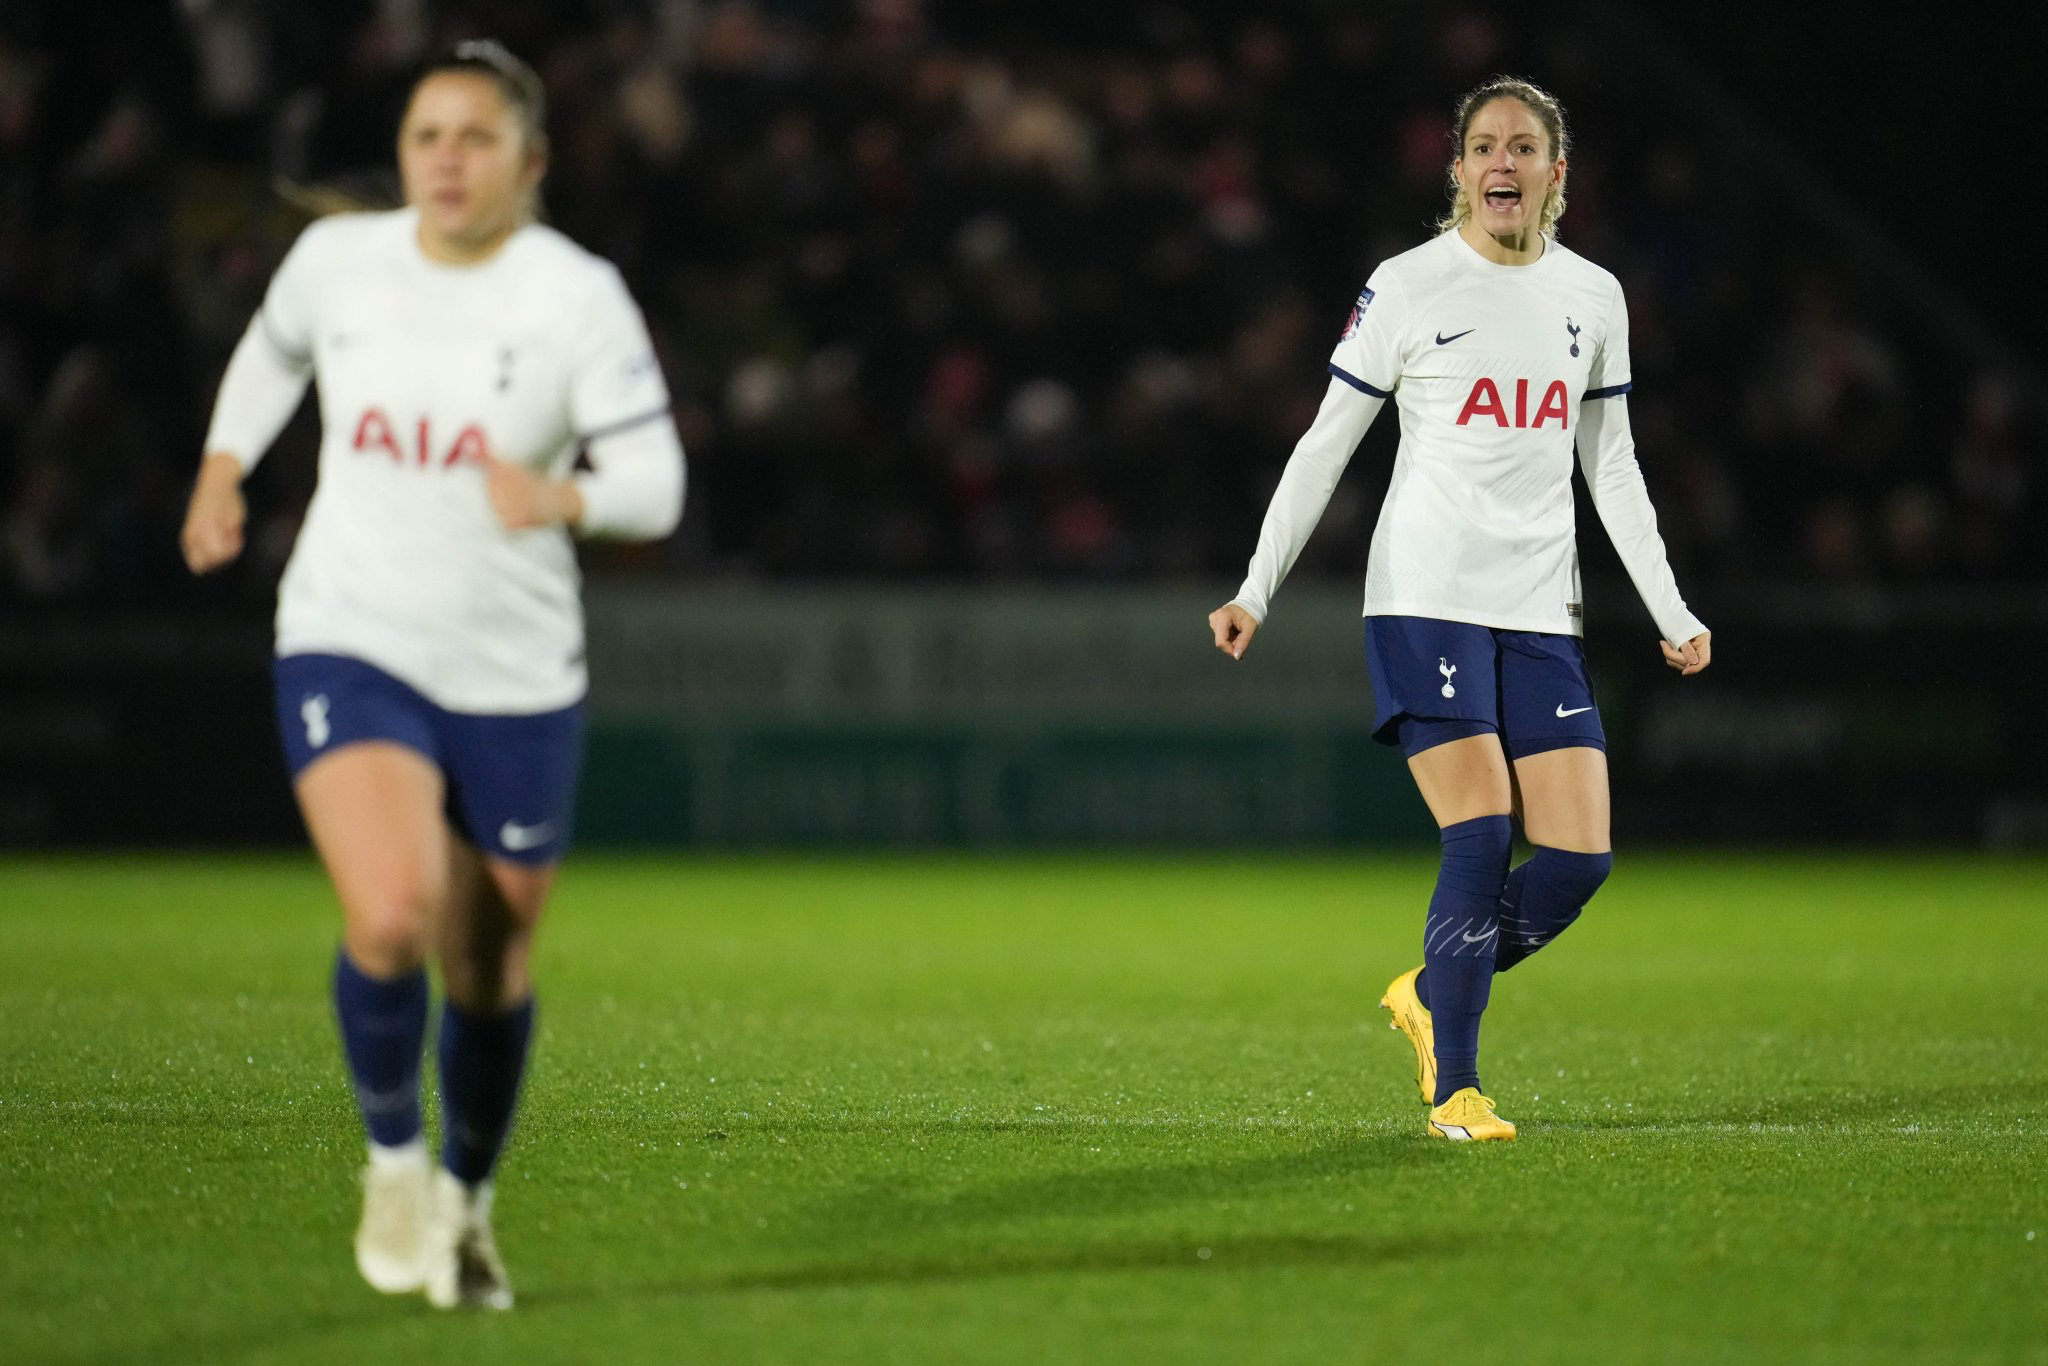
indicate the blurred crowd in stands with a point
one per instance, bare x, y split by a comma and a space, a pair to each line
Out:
968, 293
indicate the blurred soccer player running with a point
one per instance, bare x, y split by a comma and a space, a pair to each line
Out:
1502, 350
429, 662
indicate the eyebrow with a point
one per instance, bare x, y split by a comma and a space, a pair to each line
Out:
428, 125
1471, 138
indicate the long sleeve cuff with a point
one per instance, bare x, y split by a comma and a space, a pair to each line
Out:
634, 488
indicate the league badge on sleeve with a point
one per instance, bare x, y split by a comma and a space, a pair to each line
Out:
1357, 314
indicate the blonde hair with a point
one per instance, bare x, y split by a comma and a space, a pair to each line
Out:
326, 198
1548, 112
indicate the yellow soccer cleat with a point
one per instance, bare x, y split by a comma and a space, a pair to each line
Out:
1468, 1117
1412, 1019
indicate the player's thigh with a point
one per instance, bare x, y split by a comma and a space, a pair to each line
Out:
492, 897
1463, 779
512, 800
373, 809
1565, 799
363, 750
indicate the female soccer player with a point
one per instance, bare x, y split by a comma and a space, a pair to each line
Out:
429, 636
1502, 349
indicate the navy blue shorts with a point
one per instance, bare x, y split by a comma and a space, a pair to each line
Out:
511, 779
1436, 681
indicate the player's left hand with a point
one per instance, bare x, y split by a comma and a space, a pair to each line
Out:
1690, 657
525, 500
1233, 627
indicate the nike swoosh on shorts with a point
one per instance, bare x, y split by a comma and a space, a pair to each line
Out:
516, 837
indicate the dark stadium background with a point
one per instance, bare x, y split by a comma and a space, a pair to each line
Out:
990, 327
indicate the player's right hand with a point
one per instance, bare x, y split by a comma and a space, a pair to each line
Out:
1690, 657
1233, 627
213, 519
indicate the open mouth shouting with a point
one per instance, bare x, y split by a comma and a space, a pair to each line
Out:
1506, 173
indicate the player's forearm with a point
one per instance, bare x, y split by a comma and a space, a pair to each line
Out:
1304, 491
1615, 480
258, 395
634, 488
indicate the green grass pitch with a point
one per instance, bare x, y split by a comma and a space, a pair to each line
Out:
1053, 1109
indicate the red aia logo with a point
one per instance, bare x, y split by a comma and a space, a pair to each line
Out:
1484, 401
374, 433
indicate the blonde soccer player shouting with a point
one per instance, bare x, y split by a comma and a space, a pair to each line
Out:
1503, 352
429, 662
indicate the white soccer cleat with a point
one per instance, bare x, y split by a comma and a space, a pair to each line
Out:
391, 1239
463, 1269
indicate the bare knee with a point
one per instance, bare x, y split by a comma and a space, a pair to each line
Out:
388, 932
488, 974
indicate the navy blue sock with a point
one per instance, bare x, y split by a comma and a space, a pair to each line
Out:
1458, 943
483, 1058
383, 1026
1543, 897
1508, 898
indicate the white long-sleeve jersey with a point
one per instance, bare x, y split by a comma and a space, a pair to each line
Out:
1497, 372
423, 371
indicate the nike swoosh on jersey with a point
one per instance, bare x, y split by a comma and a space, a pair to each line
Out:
1475, 938
1442, 340
518, 837
1562, 713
